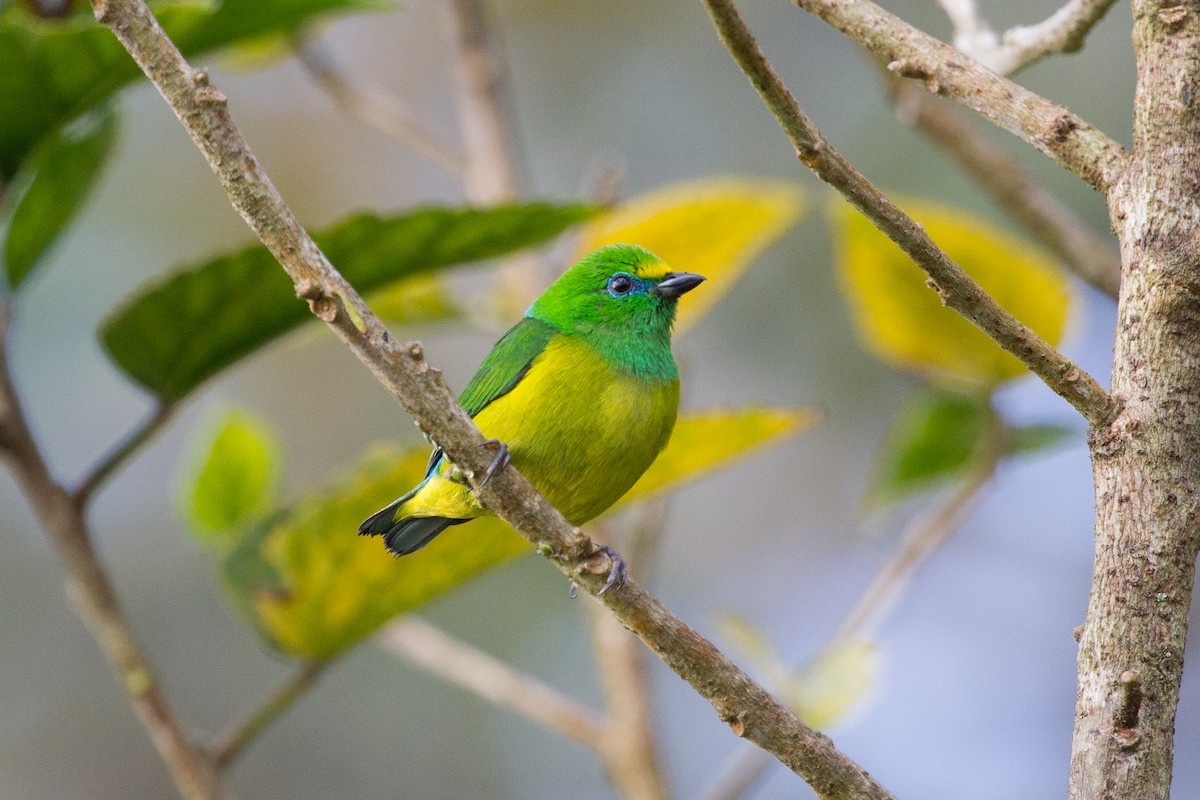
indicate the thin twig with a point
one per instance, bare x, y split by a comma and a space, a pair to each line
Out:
1064, 31
925, 538
120, 453
457, 662
374, 107
234, 743
742, 772
1092, 257
955, 288
491, 174
631, 757
92, 595
972, 34
910, 53
749, 709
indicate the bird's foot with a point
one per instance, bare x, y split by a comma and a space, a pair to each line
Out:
618, 573
498, 463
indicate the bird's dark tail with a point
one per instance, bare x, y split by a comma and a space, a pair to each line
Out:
407, 534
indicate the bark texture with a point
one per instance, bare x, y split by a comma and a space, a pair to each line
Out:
1146, 466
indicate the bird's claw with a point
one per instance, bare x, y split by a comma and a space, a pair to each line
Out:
617, 574
498, 463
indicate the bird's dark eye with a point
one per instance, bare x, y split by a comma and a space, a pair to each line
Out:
620, 284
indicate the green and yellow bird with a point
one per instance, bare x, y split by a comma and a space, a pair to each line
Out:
583, 392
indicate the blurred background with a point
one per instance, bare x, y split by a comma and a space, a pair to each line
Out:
976, 693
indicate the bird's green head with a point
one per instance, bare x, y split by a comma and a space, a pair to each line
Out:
619, 290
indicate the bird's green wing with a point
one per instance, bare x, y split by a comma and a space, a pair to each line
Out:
508, 362
501, 371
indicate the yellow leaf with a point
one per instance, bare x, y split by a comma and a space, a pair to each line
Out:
830, 685
705, 440
904, 323
421, 298
329, 588
715, 227
824, 689
752, 643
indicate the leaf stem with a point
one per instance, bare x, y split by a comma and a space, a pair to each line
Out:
234, 743
122, 451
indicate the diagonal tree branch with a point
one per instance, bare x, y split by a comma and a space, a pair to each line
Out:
911, 53
1090, 256
93, 597
749, 709
956, 289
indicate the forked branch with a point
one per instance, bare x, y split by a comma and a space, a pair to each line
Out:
1064, 31
910, 53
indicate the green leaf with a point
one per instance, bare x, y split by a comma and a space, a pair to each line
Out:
705, 441
934, 438
51, 71
1034, 438
905, 324
313, 588
235, 481
183, 329
51, 188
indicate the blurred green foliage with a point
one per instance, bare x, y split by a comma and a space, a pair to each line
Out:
183, 329
51, 71
50, 188
235, 479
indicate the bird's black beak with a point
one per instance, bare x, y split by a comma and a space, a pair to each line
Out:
677, 283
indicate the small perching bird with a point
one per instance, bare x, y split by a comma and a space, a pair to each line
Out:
581, 394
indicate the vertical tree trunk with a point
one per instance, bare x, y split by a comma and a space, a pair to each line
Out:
1147, 464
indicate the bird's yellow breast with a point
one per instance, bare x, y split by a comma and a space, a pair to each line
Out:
581, 433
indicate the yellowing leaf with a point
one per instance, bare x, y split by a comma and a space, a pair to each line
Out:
235, 479
315, 587
821, 691
705, 440
715, 227
829, 686
752, 643
904, 323
421, 298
